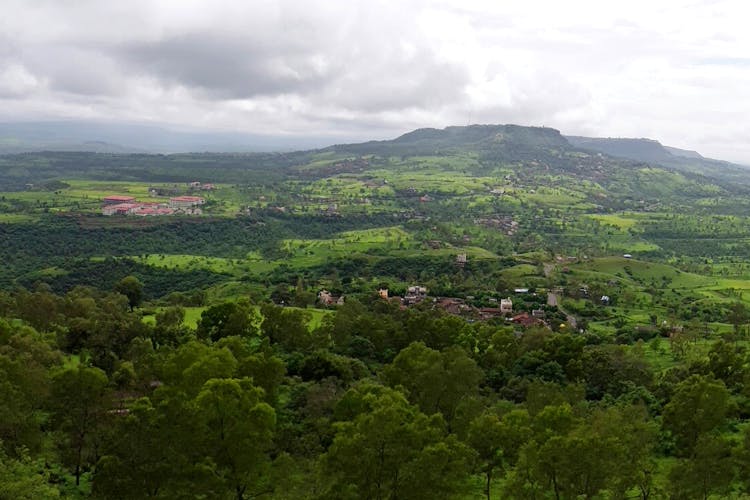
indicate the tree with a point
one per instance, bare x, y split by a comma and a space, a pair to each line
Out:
738, 315
193, 364
613, 369
78, 401
258, 363
436, 381
742, 459
708, 471
25, 361
727, 363
139, 461
389, 449
40, 309
497, 441
572, 458
286, 327
636, 436
169, 326
236, 428
699, 405
228, 319
132, 288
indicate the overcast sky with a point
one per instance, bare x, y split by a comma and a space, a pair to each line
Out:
676, 71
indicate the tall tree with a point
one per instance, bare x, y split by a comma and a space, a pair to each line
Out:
392, 450
436, 381
139, 461
237, 429
228, 319
708, 471
78, 401
497, 441
132, 288
286, 327
699, 405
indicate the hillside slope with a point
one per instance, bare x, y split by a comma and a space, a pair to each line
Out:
651, 151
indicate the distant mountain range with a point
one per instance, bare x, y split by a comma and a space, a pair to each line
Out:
514, 143
653, 152
517, 138
503, 142
21, 137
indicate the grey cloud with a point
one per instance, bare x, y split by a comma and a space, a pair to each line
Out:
400, 81
368, 77
228, 67
77, 70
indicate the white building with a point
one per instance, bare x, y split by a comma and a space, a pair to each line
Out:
506, 306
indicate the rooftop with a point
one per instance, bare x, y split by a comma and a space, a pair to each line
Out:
187, 198
119, 197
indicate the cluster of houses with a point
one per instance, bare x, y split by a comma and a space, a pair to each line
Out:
416, 294
505, 224
128, 205
326, 298
197, 186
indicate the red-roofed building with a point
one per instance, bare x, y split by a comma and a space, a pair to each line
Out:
116, 199
185, 201
524, 319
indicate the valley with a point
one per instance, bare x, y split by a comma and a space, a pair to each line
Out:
472, 276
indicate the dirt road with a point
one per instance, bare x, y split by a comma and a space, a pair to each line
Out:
552, 300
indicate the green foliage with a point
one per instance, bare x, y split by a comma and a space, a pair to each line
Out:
132, 288
138, 461
236, 428
699, 405
228, 319
25, 362
391, 450
286, 327
706, 472
434, 381
78, 400
496, 441
24, 478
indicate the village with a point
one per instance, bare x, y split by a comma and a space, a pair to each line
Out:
530, 309
184, 204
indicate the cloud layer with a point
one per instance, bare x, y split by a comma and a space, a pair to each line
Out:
677, 71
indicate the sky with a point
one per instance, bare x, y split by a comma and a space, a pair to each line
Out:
673, 70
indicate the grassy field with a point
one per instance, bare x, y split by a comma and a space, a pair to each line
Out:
622, 222
13, 218
190, 262
645, 272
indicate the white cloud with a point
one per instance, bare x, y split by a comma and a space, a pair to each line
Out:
16, 81
674, 70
